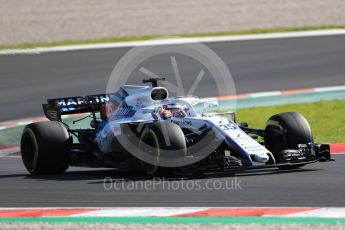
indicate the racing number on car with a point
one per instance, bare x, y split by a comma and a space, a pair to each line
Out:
228, 127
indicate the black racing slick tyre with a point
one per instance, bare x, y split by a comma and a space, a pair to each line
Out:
45, 147
161, 140
286, 131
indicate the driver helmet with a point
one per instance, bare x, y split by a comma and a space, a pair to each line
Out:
173, 106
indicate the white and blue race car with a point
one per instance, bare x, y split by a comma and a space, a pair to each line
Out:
141, 128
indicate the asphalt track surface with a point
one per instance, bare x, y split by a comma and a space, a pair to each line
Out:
257, 65
317, 185
274, 64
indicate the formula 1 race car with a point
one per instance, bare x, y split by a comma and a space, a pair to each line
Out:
140, 128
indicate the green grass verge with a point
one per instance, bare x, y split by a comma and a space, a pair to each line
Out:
143, 38
180, 220
326, 118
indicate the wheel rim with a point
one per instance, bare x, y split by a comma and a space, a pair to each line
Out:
150, 146
29, 149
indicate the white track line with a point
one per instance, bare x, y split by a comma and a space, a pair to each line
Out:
328, 89
170, 211
329, 212
140, 211
176, 41
321, 212
265, 94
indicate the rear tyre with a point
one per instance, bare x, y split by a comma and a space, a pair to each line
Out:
45, 147
286, 131
161, 139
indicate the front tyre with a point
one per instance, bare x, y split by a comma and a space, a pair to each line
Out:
286, 131
45, 147
159, 140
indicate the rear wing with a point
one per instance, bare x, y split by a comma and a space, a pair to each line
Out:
57, 107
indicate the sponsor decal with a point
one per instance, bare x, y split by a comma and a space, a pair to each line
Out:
71, 101
75, 101
183, 123
139, 104
116, 129
53, 115
227, 127
126, 111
